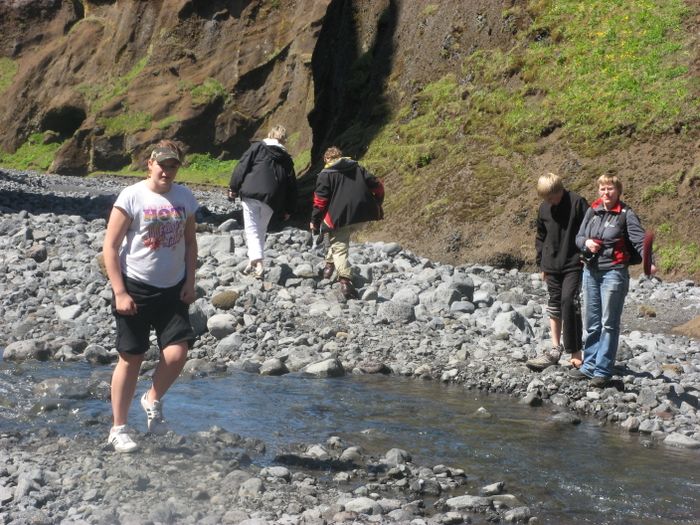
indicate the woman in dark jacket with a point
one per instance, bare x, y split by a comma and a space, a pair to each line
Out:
608, 236
264, 179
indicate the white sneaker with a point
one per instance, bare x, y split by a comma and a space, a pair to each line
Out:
121, 440
248, 269
154, 413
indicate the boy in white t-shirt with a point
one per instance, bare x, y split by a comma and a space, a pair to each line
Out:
150, 254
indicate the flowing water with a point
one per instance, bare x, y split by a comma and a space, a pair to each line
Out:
566, 473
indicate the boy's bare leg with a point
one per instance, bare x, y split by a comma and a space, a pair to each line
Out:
555, 330
172, 360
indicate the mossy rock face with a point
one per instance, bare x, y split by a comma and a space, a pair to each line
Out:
225, 300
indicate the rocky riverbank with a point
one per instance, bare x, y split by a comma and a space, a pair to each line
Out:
471, 325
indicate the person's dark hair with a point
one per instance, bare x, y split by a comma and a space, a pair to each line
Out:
331, 154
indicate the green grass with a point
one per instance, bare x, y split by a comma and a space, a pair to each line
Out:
99, 95
430, 10
32, 155
302, 160
167, 122
679, 256
206, 92
201, 168
126, 123
666, 188
595, 71
8, 70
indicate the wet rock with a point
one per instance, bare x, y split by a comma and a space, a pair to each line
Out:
326, 368
29, 349
681, 441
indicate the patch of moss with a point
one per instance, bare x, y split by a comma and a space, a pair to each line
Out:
430, 10
679, 256
202, 168
207, 91
8, 70
98, 95
302, 161
167, 122
125, 123
32, 155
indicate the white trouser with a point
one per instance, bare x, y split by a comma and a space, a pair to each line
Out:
256, 217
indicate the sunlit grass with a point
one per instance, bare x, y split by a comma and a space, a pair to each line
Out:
125, 123
8, 70
32, 155
201, 168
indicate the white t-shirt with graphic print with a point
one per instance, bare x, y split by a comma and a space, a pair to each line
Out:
153, 250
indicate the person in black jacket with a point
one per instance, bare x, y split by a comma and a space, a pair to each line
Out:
558, 222
265, 181
345, 194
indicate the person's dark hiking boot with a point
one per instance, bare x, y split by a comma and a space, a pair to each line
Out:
577, 375
601, 382
347, 289
328, 270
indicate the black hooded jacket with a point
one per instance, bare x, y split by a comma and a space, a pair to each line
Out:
346, 194
266, 173
557, 227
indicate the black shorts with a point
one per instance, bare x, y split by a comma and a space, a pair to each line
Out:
158, 308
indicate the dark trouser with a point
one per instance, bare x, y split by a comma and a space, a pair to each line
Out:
564, 303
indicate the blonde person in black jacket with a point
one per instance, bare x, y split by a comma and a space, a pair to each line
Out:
558, 221
265, 181
345, 194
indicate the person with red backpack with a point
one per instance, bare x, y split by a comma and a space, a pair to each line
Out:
345, 194
611, 238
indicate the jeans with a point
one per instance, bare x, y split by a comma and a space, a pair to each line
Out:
604, 293
256, 217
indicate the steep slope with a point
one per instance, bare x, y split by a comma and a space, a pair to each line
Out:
458, 106
111, 77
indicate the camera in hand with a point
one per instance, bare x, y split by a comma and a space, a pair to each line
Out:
588, 256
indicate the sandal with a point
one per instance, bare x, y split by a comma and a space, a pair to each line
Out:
576, 360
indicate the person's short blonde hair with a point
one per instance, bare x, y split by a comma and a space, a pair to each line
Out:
549, 184
331, 154
607, 178
278, 133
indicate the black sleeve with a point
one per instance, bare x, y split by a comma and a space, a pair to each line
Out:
242, 169
291, 196
581, 236
539, 237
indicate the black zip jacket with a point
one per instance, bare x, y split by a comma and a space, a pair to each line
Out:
346, 194
557, 227
266, 173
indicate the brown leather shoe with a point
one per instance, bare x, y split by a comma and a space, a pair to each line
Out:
347, 289
328, 270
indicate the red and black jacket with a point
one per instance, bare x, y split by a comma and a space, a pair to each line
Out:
346, 194
612, 228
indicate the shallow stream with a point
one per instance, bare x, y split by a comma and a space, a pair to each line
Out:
566, 473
